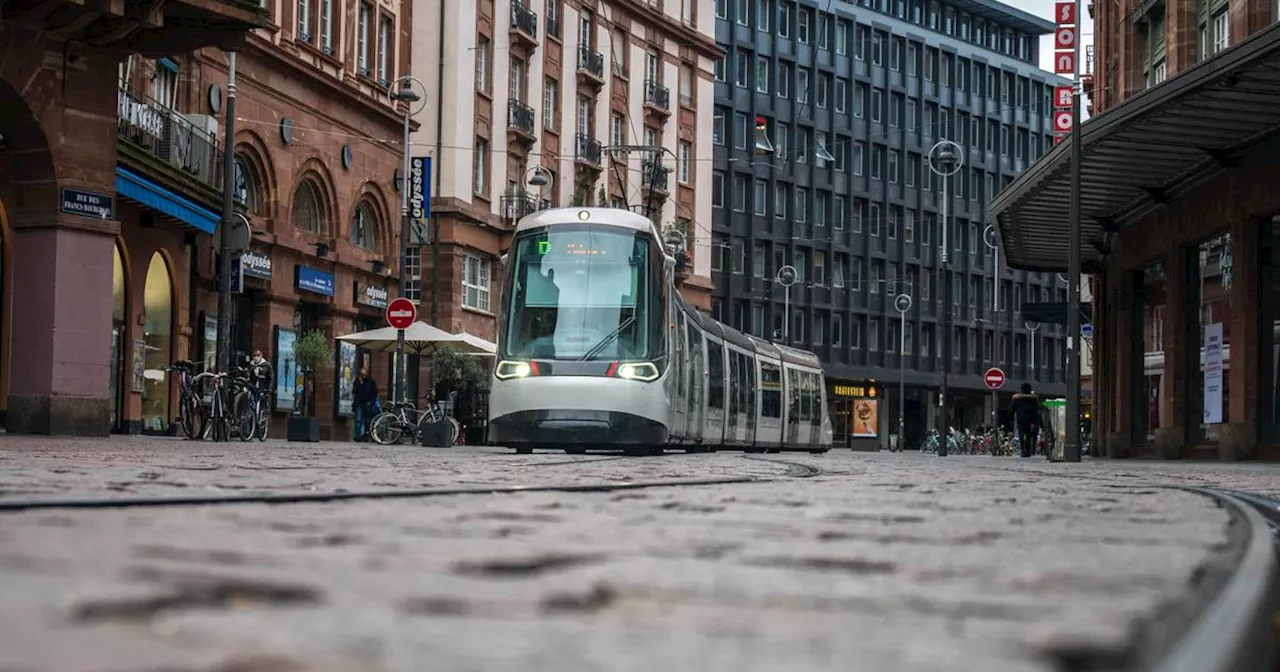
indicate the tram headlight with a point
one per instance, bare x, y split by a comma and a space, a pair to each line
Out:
643, 371
506, 370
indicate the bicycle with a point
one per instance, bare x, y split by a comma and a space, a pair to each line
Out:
190, 406
218, 421
389, 426
252, 388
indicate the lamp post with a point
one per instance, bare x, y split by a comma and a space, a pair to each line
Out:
989, 236
786, 277
1032, 326
405, 94
222, 350
945, 159
903, 304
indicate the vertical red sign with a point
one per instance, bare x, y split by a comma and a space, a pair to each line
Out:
1065, 40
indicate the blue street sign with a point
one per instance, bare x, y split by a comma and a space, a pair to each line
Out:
1086, 330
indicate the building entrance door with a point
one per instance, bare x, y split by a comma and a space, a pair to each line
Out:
841, 421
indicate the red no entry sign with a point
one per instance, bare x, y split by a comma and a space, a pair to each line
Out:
994, 378
401, 313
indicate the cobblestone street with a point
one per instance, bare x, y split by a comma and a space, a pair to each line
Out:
880, 562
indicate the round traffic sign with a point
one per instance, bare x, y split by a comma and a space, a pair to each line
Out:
902, 303
1062, 121
994, 378
401, 313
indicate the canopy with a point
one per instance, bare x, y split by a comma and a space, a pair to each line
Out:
480, 345
419, 338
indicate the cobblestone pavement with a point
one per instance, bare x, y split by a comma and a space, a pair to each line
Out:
882, 562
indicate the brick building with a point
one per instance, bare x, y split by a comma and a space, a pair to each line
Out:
314, 179
1179, 227
548, 88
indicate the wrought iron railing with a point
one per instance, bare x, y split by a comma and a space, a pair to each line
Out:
591, 61
520, 117
590, 149
524, 19
657, 95
656, 176
189, 143
518, 204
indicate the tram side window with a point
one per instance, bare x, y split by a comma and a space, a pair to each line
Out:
770, 391
749, 388
733, 382
793, 395
715, 369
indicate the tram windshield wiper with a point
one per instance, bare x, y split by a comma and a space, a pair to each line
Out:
595, 349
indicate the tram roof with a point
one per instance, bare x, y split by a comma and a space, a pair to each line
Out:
605, 216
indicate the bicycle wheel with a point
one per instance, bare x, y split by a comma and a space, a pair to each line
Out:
455, 431
246, 421
191, 415
264, 420
385, 429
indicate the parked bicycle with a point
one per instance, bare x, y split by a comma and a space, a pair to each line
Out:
249, 391
190, 406
402, 418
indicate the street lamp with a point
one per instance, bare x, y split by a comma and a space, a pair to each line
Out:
903, 304
404, 93
541, 177
1032, 326
989, 237
945, 159
786, 277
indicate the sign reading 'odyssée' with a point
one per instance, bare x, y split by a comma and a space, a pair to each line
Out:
256, 264
369, 294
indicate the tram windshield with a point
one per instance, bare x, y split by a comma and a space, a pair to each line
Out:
584, 293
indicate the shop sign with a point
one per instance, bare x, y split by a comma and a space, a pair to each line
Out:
315, 280
855, 390
419, 198
256, 265
369, 294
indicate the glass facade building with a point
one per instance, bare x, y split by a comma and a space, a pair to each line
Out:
825, 115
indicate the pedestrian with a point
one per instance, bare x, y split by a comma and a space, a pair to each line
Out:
364, 394
1026, 414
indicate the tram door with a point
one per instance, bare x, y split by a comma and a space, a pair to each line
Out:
697, 379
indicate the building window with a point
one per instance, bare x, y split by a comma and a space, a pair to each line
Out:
550, 104
685, 158
475, 282
384, 50
413, 274
482, 64
362, 38
363, 227
307, 210
480, 168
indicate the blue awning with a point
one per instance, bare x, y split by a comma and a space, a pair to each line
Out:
135, 187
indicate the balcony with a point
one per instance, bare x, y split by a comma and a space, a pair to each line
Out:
590, 151
519, 204
657, 178
521, 123
180, 150
657, 98
157, 30
524, 25
590, 66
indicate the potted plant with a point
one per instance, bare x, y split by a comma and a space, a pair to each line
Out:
313, 353
453, 371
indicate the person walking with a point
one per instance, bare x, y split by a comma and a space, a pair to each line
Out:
364, 394
1026, 415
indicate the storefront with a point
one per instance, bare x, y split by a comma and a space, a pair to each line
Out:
856, 413
1180, 233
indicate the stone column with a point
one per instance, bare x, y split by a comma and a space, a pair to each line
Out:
1121, 329
1247, 17
1178, 408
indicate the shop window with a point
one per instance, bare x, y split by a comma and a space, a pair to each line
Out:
306, 317
307, 212
1149, 347
1213, 333
363, 232
157, 335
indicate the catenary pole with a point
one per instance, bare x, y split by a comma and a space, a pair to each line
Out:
223, 349
1071, 448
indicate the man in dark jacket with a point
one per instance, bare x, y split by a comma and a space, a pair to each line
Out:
363, 394
1026, 414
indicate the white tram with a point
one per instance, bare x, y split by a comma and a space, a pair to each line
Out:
597, 350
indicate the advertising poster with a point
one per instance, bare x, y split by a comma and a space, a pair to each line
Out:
287, 372
347, 369
866, 418
139, 364
1213, 373
210, 351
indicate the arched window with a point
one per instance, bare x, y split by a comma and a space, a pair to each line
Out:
247, 186
307, 212
158, 335
364, 232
